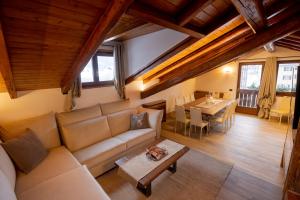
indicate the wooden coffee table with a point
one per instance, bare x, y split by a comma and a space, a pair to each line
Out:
141, 171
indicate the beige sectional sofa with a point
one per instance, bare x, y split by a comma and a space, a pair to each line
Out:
98, 150
92, 139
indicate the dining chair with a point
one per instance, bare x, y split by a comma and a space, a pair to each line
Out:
181, 117
228, 95
187, 99
232, 112
193, 97
216, 95
223, 118
179, 101
196, 121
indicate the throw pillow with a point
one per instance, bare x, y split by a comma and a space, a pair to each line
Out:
139, 121
26, 151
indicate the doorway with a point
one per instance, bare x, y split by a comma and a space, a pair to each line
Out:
248, 85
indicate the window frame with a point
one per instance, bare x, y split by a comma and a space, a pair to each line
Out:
97, 82
285, 93
249, 63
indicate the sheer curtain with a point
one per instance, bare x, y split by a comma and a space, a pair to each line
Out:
119, 69
267, 89
75, 91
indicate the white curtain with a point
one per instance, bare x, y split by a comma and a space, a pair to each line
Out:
267, 90
75, 91
119, 69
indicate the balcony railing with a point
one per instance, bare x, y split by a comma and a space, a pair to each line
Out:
247, 98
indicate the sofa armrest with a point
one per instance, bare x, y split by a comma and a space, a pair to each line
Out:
155, 119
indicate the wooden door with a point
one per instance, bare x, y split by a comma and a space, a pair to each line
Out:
247, 87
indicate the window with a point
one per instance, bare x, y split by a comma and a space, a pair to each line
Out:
99, 71
250, 75
286, 77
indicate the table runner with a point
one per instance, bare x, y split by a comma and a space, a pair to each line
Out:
209, 105
139, 166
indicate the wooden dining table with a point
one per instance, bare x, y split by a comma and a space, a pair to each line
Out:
208, 108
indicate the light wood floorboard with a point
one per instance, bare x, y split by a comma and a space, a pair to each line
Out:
254, 146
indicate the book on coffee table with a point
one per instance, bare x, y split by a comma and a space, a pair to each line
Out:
156, 153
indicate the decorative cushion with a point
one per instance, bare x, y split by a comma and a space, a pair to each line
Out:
119, 122
7, 167
26, 151
43, 126
85, 133
139, 121
78, 115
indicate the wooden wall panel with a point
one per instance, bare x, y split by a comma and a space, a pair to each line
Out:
44, 37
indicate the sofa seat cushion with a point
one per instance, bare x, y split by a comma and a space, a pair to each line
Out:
102, 151
135, 137
81, 134
77, 184
58, 161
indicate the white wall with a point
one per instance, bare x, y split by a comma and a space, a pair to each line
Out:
34, 103
183, 89
140, 51
218, 81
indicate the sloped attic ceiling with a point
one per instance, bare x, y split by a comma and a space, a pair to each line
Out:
46, 43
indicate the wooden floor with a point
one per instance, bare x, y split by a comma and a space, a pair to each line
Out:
253, 145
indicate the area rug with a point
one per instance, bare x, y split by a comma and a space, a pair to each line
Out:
198, 176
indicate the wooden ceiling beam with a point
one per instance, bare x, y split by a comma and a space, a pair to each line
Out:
287, 46
5, 67
138, 9
209, 48
224, 18
135, 32
291, 40
289, 10
163, 57
288, 43
252, 11
189, 12
106, 22
294, 36
193, 68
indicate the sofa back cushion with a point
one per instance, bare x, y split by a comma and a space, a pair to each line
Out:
43, 126
7, 167
119, 122
85, 133
78, 115
116, 106
6, 190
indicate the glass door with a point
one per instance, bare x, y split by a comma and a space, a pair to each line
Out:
248, 85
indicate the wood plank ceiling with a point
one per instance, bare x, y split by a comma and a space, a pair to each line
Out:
49, 42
